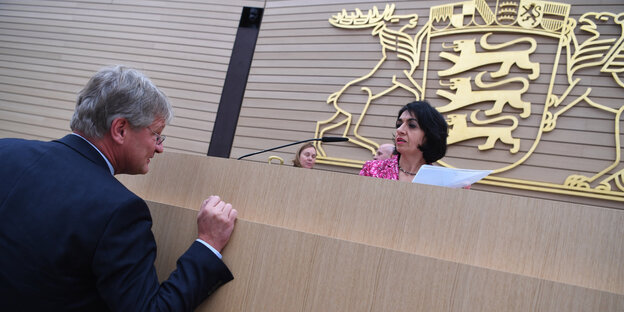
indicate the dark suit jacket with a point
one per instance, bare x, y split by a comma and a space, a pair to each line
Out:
72, 238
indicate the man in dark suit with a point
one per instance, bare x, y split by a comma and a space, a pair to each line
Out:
72, 238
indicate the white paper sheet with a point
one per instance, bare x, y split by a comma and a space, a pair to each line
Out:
449, 177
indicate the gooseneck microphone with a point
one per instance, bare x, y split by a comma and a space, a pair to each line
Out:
323, 139
332, 139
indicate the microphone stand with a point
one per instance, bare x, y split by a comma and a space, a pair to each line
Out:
325, 139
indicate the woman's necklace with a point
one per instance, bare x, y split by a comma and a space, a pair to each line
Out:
404, 171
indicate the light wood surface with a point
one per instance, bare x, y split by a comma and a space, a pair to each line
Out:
278, 269
565, 243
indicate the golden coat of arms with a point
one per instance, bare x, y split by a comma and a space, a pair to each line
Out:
505, 74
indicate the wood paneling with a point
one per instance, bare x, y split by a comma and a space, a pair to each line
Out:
309, 240
565, 243
49, 49
277, 269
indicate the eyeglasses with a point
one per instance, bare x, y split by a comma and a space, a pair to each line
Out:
159, 138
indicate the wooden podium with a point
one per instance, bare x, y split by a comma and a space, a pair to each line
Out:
309, 240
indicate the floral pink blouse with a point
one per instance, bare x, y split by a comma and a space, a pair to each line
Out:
385, 169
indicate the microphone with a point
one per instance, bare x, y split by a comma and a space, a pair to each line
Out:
333, 139
323, 139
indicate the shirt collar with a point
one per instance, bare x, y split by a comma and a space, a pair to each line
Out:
110, 166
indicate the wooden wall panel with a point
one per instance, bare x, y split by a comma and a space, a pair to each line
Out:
574, 244
309, 240
277, 269
49, 49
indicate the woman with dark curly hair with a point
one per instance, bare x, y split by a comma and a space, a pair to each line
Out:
420, 138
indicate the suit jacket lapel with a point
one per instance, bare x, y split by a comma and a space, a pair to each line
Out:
84, 148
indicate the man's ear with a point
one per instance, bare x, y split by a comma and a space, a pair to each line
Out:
119, 130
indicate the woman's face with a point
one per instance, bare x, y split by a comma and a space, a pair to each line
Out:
409, 136
307, 157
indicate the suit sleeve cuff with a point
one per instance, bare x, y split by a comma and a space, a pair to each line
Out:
211, 248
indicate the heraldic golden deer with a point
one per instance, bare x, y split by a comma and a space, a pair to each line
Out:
396, 43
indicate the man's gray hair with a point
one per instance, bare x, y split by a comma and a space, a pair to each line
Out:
115, 92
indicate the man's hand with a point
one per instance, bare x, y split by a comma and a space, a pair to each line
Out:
215, 222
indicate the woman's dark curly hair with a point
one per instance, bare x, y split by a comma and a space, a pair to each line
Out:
433, 125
